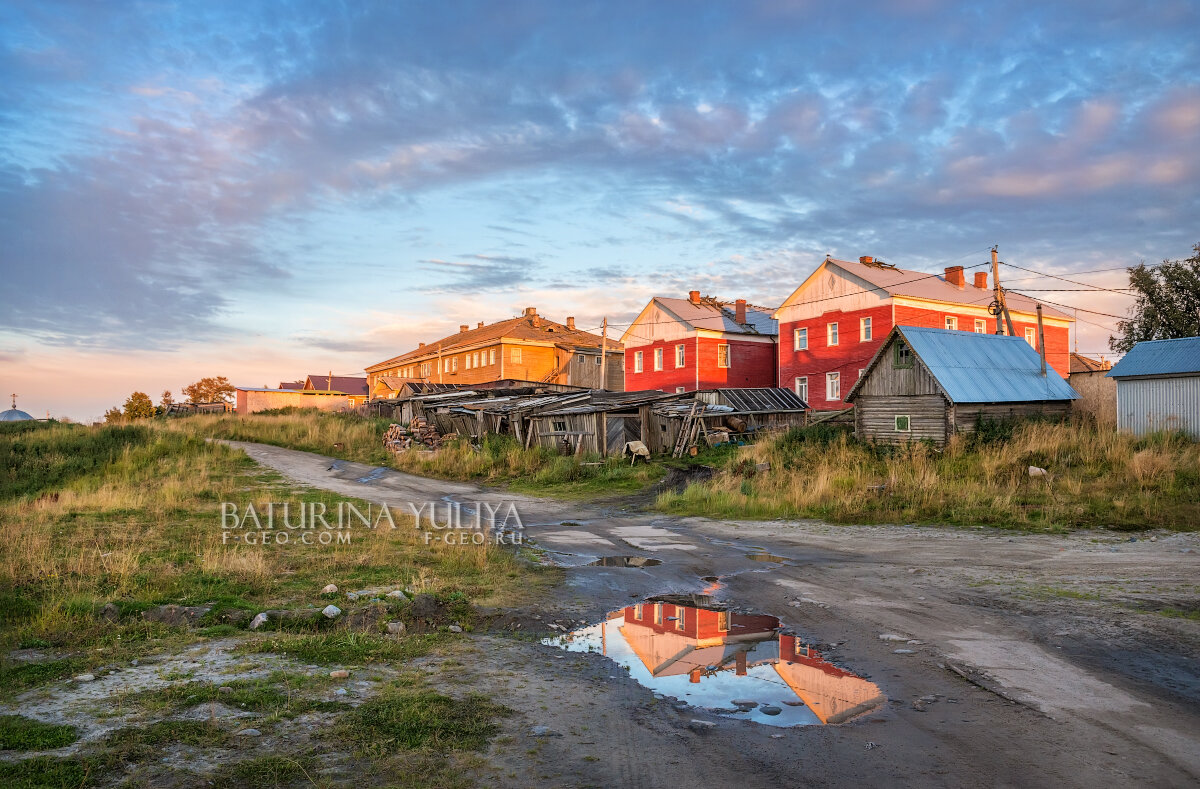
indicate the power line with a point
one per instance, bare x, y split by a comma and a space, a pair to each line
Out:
1064, 279
1071, 306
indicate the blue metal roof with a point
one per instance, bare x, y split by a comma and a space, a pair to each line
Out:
985, 368
1160, 357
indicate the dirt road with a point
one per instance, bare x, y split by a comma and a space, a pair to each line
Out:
1038, 660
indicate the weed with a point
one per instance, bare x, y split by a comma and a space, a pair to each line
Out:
346, 648
422, 719
18, 733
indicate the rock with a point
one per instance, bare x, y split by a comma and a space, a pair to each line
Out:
351, 596
110, 613
225, 689
396, 628
776, 736
892, 637
340, 673
747, 703
397, 594
340, 692
770, 710
762, 466
543, 731
258, 621
455, 628
904, 651
1153, 539
929, 699
133, 662
176, 615
695, 724
331, 612
1034, 471
331, 589
85, 677
918, 706
249, 733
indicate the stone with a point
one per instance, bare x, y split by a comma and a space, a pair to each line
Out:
892, 637
397, 594
776, 736
695, 724
85, 677
747, 703
331, 589
904, 651
110, 613
340, 673
455, 628
331, 612
396, 628
176, 615
543, 731
249, 733
225, 689
340, 692
351, 596
258, 621
770, 710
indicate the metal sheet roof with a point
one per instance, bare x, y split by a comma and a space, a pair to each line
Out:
719, 316
981, 368
1160, 357
757, 399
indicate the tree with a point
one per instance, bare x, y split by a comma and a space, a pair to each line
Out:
1167, 306
113, 416
209, 390
167, 398
139, 406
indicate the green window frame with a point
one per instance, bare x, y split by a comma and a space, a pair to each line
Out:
901, 355
903, 423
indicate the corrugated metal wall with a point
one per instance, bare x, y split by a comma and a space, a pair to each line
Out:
1148, 404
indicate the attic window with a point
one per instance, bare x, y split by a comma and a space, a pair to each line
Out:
901, 355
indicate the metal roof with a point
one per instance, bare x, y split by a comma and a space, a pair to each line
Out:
756, 400
978, 368
719, 316
1160, 357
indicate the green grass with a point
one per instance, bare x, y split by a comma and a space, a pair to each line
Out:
16, 677
346, 648
280, 695
1180, 613
1099, 479
403, 719
45, 772
18, 733
268, 771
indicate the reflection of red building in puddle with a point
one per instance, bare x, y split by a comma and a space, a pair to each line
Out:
677, 640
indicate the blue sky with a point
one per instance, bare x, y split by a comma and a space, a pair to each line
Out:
264, 190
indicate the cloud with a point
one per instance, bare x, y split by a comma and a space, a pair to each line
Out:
477, 273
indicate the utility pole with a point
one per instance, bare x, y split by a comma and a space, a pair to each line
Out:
1041, 340
604, 355
996, 288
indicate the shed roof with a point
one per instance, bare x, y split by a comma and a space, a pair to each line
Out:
348, 384
1086, 364
765, 399
977, 368
716, 315
1160, 357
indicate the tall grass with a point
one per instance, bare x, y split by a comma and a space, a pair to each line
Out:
346, 436
1098, 478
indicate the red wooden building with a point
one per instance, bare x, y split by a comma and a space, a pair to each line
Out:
831, 326
682, 345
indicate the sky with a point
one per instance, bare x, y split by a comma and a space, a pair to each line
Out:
267, 190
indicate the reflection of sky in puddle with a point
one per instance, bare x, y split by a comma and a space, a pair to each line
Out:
711, 658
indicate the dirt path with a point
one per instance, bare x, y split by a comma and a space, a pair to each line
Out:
1089, 677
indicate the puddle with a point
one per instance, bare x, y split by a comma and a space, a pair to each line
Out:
735, 665
625, 561
765, 557
373, 474
712, 579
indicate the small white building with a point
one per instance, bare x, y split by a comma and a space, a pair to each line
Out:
1158, 387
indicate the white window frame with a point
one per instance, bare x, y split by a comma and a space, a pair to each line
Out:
864, 330
861, 370
951, 323
723, 351
637, 361
492, 356
454, 365
802, 387
980, 326
907, 423
680, 389
1031, 337
831, 334
514, 356
800, 339
658, 359
833, 386
680, 356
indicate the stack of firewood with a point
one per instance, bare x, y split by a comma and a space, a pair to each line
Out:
420, 432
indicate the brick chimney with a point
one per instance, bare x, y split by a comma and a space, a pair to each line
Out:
954, 275
420, 345
530, 311
570, 322
981, 280
694, 296
479, 325
463, 327
739, 310
866, 260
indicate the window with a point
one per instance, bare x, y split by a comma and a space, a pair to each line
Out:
864, 329
901, 355
658, 356
597, 361
454, 365
1030, 337
475, 359
903, 425
833, 386
723, 359
558, 427
802, 387
723, 621
637, 362
680, 390
638, 612
658, 613
467, 362
951, 322
679, 617
831, 334
514, 356
492, 356
980, 326
861, 370
679, 355
800, 339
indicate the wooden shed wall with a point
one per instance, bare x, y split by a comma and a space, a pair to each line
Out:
887, 380
875, 418
963, 416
